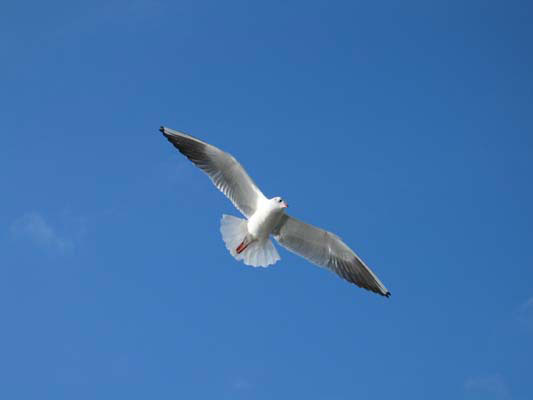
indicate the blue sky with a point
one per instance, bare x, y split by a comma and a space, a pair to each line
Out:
404, 127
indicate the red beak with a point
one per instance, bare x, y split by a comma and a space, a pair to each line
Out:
285, 205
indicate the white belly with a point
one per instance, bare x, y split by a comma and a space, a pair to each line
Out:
264, 220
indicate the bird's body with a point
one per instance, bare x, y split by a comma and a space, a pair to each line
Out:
265, 219
249, 239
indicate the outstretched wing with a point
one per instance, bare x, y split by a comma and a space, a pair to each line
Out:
326, 249
224, 170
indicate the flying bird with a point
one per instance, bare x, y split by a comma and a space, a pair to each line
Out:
249, 239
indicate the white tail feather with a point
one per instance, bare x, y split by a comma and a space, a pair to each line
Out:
257, 254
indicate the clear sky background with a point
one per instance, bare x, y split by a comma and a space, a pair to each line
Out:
404, 127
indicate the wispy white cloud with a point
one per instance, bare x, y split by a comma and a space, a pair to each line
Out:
528, 304
34, 228
241, 384
525, 312
523, 315
493, 386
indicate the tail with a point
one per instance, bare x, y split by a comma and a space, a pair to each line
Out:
256, 254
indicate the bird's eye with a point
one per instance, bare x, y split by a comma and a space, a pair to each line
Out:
279, 200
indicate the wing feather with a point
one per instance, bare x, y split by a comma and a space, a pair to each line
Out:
326, 249
224, 170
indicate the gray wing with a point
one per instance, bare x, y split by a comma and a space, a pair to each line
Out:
326, 249
224, 170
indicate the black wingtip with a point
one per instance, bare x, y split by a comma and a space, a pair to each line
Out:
387, 295
162, 129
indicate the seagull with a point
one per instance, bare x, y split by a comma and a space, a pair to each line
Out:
249, 239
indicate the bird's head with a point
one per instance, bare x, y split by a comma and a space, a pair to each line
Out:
279, 202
